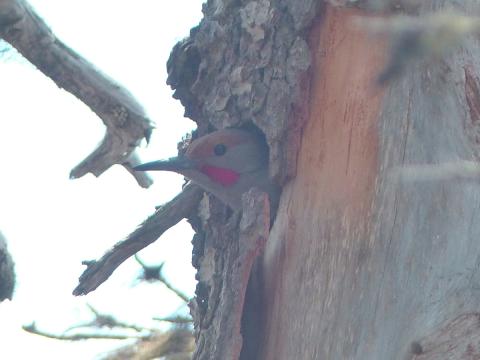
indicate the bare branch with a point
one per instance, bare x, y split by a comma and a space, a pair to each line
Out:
175, 319
107, 321
148, 232
32, 328
149, 273
177, 344
123, 116
177, 292
155, 273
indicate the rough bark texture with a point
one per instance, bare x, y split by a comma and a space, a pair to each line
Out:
7, 273
229, 248
357, 265
122, 115
245, 65
242, 65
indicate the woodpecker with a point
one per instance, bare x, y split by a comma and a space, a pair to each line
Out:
226, 163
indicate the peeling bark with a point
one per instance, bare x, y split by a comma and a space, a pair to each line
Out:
225, 265
123, 116
246, 63
357, 266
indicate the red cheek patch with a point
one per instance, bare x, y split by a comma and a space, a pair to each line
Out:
225, 177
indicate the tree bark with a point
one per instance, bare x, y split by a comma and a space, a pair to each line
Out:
245, 65
360, 264
364, 260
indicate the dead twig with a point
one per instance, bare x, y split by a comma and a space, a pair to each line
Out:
32, 328
149, 231
175, 319
107, 321
178, 344
154, 273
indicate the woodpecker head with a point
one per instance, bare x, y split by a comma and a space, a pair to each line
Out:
226, 163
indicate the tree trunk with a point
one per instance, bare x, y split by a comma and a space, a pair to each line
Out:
373, 252
359, 266
362, 262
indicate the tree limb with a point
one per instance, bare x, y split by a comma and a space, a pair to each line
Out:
103, 320
175, 319
176, 344
75, 337
150, 230
154, 273
123, 116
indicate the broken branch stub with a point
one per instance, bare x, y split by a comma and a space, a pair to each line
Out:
124, 118
149, 231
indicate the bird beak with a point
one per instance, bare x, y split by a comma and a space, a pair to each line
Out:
176, 164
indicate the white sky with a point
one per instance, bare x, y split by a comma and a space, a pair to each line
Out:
52, 223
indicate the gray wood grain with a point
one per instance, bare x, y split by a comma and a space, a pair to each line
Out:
359, 266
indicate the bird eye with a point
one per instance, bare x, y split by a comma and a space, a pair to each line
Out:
220, 149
